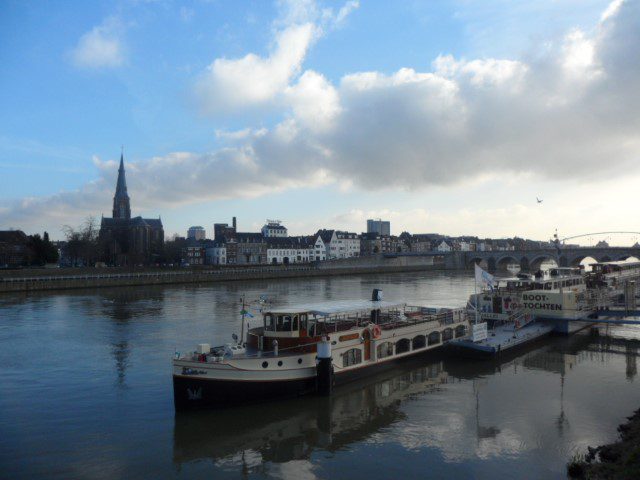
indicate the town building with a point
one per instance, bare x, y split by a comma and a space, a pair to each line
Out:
196, 233
289, 250
370, 243
222, 230
381, 227
443, 246
14, 248
125, 240
273, 228
339, 244
216, 253
251, 248
193, 254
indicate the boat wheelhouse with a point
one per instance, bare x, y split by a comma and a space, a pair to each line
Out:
282, 356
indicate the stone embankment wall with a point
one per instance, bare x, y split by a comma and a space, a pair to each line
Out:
27, 280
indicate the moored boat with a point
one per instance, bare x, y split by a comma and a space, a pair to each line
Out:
309, 348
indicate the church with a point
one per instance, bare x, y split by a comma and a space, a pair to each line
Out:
125, 240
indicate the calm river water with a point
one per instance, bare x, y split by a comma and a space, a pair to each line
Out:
85, 392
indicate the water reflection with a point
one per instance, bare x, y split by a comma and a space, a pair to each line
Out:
291, 430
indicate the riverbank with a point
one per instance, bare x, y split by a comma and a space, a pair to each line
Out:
26, 280
618, 460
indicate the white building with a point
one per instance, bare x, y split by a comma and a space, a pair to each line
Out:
340, 244
196, 233
318, 249
273, 228
217, 254
443, 246
289, 250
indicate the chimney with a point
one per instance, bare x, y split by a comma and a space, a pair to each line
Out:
234, 223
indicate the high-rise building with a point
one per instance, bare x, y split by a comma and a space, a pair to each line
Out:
381, 227
196, 233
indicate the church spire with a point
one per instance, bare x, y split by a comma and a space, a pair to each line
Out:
121, 207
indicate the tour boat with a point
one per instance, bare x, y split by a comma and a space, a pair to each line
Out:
310, 348
558, 297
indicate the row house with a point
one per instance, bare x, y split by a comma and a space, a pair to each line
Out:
251, 248
420, 243
289, 250
216, 254
339, 244
443, 246
193, 254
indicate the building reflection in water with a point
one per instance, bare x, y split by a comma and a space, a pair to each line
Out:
124, 305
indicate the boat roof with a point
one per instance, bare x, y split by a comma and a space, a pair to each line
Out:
331, 308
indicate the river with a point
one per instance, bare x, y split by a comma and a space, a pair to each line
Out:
85, 392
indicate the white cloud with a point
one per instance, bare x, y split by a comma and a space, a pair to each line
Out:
102, 47
569, 114
229, 85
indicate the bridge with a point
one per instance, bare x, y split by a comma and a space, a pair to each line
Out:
530, 260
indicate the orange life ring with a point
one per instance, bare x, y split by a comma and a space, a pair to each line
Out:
376, 331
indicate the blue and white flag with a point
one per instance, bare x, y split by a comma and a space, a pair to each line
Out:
484, 278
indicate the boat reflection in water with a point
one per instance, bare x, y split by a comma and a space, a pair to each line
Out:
288, 430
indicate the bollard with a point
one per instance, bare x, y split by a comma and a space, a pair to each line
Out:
324, 368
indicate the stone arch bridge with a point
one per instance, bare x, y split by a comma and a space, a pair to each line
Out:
530, 260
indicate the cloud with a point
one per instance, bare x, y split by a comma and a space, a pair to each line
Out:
233, 85
230, 85
568, 113
101, 47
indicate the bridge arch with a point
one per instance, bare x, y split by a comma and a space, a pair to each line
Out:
537, 261
482, 262
503, 262
577, 260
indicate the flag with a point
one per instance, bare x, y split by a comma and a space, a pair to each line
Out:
484, 278
247, 313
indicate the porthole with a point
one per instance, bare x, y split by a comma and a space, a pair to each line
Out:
299, 360
265, 364
280, 363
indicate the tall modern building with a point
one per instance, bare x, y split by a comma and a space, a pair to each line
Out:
196, 233
125, 240
381, 227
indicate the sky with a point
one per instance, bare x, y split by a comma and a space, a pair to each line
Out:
448, 117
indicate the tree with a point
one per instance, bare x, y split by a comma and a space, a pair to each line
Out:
43, 250
82, 243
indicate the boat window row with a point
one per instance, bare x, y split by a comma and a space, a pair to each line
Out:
286, 323
386, 349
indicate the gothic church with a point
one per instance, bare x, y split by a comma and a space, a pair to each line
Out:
125, 240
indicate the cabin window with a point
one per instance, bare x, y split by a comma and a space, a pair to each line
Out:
419, 342
447, 334
385, 349
433, 338
403, 345
284, 323
352, 357
269, 324
461, 331
295, 323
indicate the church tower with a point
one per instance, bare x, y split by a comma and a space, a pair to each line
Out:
121, 207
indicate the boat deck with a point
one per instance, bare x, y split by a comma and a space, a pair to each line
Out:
505, 337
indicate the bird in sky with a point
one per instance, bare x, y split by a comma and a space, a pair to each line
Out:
539, 201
